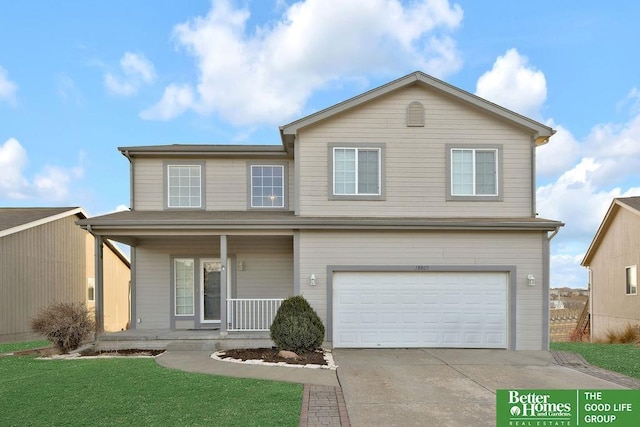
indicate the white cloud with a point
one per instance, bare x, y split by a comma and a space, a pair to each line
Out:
584, 175
8, 88
514, 84
617, 148
175, 101
566, 271
136, 71
266, 74
559, 154
13, 159
52, 183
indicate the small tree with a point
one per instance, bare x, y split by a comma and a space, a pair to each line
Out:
66, 325
297, 327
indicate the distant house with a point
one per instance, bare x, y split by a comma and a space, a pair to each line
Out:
406, 216
44, 258
612, 260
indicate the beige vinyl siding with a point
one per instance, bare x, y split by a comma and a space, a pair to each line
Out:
116, 277
415, 158
225, 187
40, 266
268, 271
612, 309
520, 249
148, 185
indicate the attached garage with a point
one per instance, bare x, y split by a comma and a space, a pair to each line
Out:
420, 309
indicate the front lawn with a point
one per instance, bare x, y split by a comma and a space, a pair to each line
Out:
130, 391
622, 358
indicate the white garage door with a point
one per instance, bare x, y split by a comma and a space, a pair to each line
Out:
420, 309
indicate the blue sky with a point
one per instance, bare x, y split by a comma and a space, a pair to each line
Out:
78, 79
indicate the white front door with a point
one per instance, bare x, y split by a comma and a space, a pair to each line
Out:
210, 289
420, 309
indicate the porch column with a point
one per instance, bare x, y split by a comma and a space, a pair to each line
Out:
99, 286
223, 283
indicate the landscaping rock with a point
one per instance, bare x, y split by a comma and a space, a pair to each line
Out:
287, 354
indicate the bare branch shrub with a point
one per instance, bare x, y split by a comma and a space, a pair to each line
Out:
66, 325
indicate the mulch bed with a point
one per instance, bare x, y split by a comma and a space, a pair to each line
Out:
51, 351
271, 355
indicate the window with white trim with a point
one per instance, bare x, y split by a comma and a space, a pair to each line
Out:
474, 172
631, 274
267, 186
184, 186
356, 171
184, 280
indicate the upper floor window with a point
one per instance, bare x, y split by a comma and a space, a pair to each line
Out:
474, 173
267, 186
632, 280
356, 171
184, 185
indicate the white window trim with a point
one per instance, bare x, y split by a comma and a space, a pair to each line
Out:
175, 288
473, 164
169, 164
634, 268
283, 205
357, 149
498, 149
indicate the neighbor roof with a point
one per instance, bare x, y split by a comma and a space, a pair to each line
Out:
541, 132
632, 204
13, 220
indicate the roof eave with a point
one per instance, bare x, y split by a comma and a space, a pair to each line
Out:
541, 132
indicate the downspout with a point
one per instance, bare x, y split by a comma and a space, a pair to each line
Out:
131, 176
533, 178
132, 282
99, 284
546, 257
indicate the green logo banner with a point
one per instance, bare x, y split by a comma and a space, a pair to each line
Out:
540, 408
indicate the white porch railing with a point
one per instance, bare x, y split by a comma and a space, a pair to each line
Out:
250, 314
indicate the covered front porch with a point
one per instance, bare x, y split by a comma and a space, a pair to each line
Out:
204, 286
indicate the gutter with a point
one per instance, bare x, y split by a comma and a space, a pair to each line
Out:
554, 233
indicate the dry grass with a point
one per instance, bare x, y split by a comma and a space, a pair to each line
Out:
629, 335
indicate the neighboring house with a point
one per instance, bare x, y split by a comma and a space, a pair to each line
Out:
613, 259
44, 258
406, 216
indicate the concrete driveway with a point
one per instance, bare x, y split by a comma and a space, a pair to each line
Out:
444, 387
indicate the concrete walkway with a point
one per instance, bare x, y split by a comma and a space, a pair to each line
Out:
201, 361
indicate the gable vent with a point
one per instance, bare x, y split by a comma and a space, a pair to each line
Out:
415, 114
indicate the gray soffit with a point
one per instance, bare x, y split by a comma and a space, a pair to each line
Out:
190, 220
540, 131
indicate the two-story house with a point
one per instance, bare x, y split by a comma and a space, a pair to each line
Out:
406, 216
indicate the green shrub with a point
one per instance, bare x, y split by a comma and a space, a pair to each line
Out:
297, 327
66, 325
